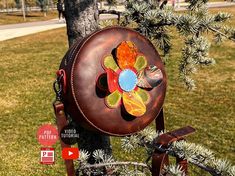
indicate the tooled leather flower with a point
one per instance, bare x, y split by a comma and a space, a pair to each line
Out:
128, 76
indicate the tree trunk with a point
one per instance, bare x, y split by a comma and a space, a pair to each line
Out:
81, 18
23, 9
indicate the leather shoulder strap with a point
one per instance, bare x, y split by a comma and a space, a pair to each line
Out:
61, 122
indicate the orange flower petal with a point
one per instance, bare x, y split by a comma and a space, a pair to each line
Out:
126, 54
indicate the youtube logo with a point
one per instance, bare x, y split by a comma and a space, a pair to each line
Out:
70, 153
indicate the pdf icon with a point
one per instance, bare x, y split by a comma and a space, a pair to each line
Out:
47, 156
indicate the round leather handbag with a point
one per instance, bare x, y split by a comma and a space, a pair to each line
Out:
114, 81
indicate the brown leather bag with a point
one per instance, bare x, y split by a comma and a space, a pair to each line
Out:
82, 98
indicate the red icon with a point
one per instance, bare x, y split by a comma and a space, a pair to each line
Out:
47, 135
47, 156
70, 153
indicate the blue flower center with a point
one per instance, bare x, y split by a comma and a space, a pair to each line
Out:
127, 80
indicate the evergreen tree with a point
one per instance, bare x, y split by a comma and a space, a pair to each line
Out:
156, 21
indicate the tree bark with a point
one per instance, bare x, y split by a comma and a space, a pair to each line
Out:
82, 19
23, 9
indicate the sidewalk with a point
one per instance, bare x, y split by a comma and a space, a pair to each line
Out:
18, 30
22, 29
183, 5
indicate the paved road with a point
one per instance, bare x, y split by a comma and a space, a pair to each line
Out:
17, 30
210, 5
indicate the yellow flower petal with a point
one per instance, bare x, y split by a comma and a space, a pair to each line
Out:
133, 104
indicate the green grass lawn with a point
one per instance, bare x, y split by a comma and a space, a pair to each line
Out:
16, 17
27, 68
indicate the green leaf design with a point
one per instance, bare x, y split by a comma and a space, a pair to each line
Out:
109, 62
144, 95
113, 100
140, 63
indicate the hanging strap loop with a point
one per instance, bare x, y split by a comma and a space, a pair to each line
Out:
59, 85
160, 156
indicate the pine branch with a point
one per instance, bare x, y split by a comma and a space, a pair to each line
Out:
174, 170
164, 3
195, 5
100, 165
221, 33
105, 165
112, 2
201, 157
153, 22
193, 153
